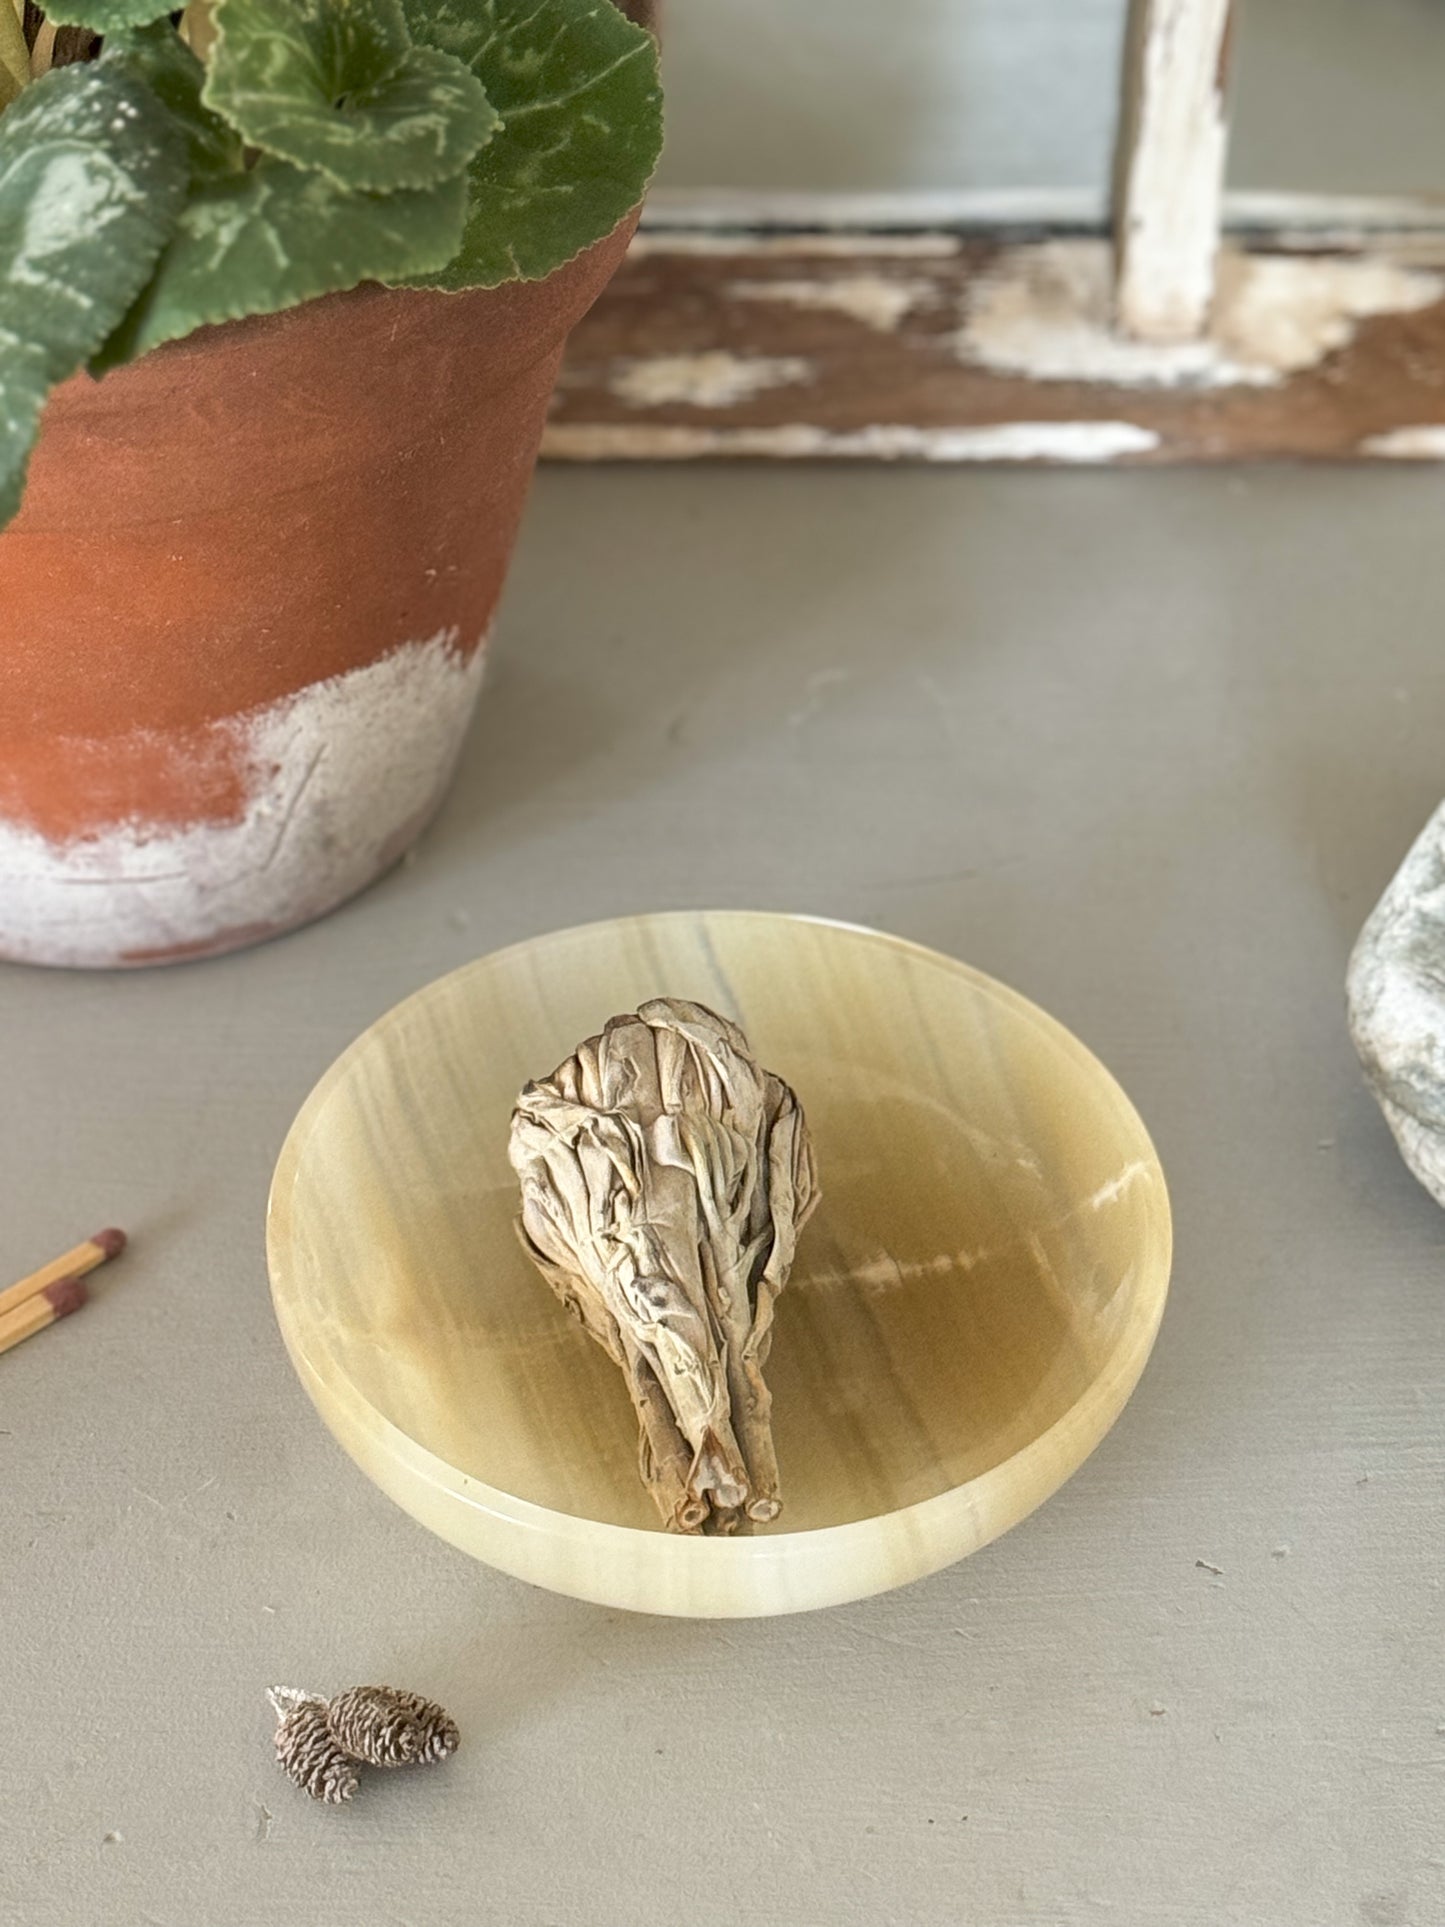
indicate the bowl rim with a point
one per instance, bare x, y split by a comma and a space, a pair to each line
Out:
973, 1503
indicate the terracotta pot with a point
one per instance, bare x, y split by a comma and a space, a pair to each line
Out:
244, 609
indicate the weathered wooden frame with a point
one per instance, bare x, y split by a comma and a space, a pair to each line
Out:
1177, 324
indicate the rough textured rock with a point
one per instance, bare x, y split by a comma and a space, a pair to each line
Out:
1397, 1005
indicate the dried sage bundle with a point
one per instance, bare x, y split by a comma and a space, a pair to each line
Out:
665, 1178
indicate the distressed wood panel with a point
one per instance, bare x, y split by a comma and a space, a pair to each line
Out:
956, 334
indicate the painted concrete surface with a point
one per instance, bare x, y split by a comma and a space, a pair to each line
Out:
1147, 747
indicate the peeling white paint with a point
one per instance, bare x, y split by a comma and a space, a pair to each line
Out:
1172, 177
714, 379
1045, 312
1420, 442
875, 300
1064, 441
340, 775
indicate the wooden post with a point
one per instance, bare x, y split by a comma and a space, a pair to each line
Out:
1169, 167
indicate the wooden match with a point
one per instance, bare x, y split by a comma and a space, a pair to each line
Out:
42, 1308
74, 1264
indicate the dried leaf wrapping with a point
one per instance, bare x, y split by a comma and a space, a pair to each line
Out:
665, 1178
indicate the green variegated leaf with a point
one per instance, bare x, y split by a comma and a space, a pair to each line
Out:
158, 56
577, 88
269, 239
24, 384
92, 175
337, 85
105, 16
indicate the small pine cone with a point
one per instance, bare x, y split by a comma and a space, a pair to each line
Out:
383, 1727
305, 1749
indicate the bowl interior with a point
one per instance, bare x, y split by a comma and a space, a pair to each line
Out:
991, 1248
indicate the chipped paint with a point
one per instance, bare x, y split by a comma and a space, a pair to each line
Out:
1080, 442
1018, 329
1419, 442
1171, 168
341, 776
714, 379
875, 300
1045, 312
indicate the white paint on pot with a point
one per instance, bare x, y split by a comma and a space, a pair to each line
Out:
715, 379
340, 776
1063, 441
1046, 312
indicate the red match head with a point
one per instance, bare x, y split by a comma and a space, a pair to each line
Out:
66, 1295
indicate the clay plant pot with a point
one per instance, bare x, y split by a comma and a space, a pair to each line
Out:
244, 611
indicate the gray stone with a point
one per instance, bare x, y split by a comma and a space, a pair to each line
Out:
1397, 1005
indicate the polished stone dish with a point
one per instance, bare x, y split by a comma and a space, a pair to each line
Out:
970, 1308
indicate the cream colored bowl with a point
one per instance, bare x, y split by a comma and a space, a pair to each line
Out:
972, 1305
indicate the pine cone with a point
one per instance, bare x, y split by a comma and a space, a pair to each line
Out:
305, 1749
384, 1727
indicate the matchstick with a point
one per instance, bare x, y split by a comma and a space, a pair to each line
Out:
42, 1308
75, 1264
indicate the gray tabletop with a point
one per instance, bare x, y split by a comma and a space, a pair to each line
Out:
1145, 747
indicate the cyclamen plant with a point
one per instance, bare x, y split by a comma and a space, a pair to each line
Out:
242, 156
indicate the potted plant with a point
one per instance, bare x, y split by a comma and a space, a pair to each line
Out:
323, 256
